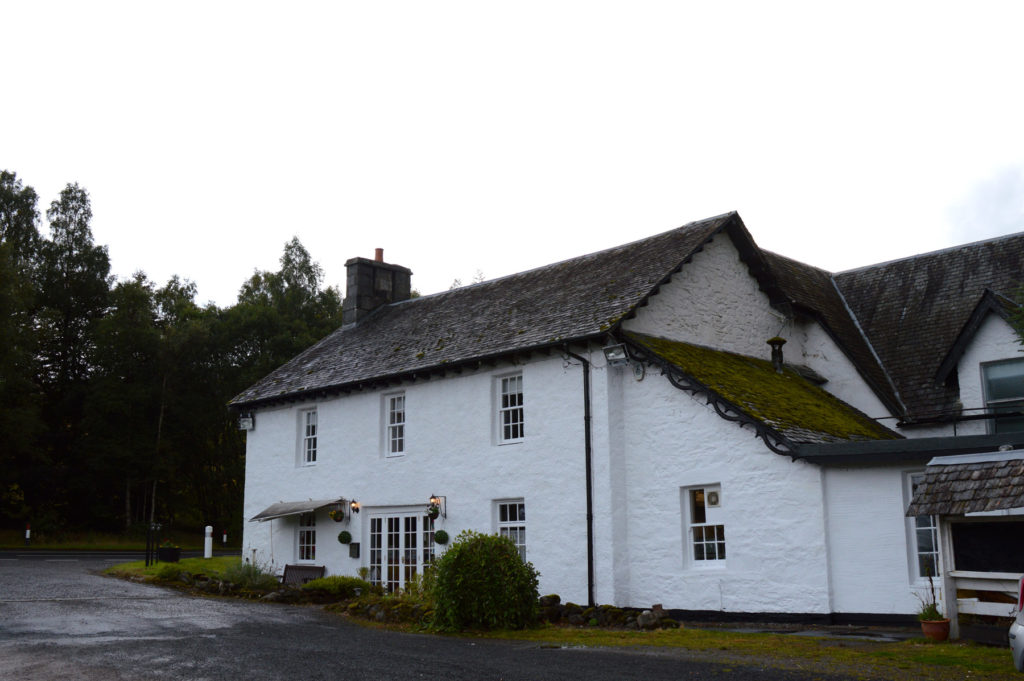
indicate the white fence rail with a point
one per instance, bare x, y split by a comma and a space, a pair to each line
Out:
1000, 582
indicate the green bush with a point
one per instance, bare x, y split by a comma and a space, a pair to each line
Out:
167, 572
338, 586
250, 576
482, 582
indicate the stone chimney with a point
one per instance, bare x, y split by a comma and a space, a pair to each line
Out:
371, 284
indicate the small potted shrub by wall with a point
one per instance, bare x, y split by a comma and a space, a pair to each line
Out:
933, 625
345, 537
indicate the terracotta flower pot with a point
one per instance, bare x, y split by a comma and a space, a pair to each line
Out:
936, 630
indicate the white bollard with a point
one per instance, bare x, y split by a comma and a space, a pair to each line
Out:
208, 542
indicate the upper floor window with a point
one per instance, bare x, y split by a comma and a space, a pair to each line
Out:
395, 435
1004, 392
511, 424
512, 523
307, 421
706, 531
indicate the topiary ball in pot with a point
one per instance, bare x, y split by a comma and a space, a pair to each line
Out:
440, 537
345, 537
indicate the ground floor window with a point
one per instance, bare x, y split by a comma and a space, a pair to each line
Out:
307, 537
401, 547
924, 537
705, 530
512, 523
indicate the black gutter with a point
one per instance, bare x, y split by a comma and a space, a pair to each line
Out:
589, 474
912, 449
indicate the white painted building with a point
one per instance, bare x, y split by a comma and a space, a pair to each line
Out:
692, 471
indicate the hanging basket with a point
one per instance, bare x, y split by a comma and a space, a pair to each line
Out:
337, 515
345, 537
440, 537
433, 512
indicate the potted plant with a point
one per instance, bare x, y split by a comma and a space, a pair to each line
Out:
168, 552
433, 511
933, 624
440, 537
345, 537
337, 515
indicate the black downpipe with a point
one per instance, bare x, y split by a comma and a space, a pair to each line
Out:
590, 475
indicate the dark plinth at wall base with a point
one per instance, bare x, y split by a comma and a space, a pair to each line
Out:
166, 555
835, 618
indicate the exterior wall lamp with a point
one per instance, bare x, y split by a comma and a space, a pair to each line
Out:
616, 355
438, 507
354, 505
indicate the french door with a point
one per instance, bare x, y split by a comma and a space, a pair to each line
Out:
401, 546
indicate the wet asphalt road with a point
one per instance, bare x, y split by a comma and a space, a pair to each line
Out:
60, 620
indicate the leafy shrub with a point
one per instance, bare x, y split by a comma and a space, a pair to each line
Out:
345, 537
338, 586
482, 582
250, 576
440, 537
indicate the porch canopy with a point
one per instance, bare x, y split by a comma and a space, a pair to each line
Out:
970, 483
285, 508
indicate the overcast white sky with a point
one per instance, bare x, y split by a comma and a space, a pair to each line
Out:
465, 136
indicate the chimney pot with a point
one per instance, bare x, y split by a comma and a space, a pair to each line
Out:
777, 344
378, 254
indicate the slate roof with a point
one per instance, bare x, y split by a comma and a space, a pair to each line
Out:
901, 323
971, 486
913, 311
789, 404
813, 293
571, 300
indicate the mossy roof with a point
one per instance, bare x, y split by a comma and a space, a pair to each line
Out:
787, 403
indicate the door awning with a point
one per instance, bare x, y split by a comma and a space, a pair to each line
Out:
970, 483
285, 508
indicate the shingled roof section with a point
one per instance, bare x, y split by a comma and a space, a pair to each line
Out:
575, 299
786, 402
813, 293
913, 310
987, 483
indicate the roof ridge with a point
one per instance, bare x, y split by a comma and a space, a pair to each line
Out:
575, 258
940, 251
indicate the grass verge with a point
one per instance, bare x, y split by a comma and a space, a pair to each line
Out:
916, 658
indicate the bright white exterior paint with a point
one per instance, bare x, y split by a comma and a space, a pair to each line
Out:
800, 538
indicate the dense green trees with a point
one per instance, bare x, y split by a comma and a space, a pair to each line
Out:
113, 393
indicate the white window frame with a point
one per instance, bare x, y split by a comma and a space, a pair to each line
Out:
510, 521
394, 424
401, 547
704, 530
918, 527
308, 436
305, 538
992, 405
510, 411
